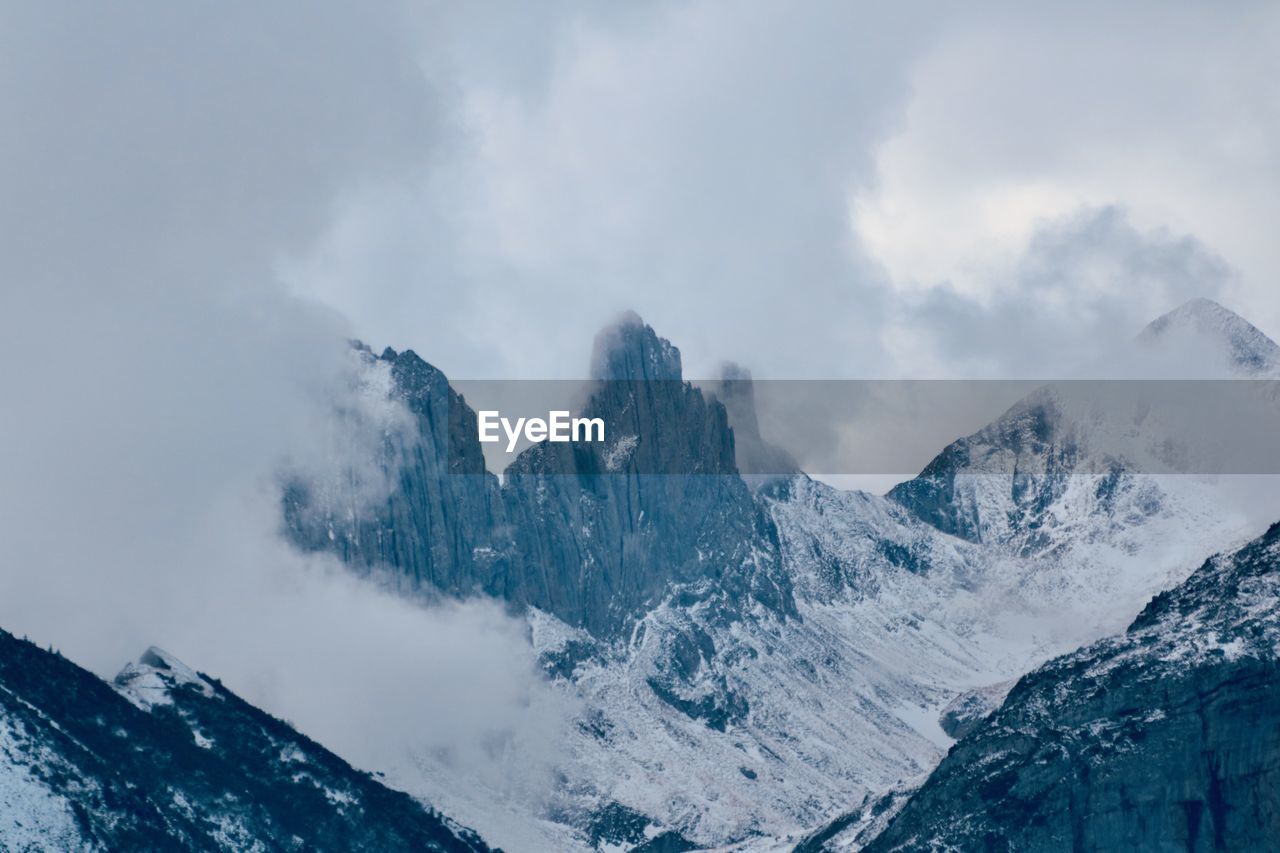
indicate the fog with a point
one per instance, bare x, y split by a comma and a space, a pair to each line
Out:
158, 379
199, 205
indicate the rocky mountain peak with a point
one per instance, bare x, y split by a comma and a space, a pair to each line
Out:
1202, 323
149, 682
629, 349
735, 390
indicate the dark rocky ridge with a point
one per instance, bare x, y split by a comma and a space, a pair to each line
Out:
442, 527
200, 769
1164, 738
596, 534
608, 529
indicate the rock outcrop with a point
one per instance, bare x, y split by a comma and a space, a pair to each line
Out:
168, 759
595, 533
1164, 738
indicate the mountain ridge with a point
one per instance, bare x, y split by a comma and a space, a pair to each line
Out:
168, 759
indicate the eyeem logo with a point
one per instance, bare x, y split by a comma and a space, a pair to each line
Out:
558, 426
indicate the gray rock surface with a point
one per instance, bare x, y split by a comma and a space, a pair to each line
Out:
1164, 738
595, 533
442, 527
607, 530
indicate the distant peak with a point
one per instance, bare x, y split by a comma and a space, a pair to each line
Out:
731, 371
1199, 307
630, 349
1245, 346
148, 682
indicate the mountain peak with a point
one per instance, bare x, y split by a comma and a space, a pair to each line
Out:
736, 392
149, 681
629, 349
1200, 322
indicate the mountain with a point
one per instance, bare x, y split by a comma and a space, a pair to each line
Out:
441, 525
607, 524
1061, 466
1164, 737
1203, 329
168, 759
749, 660
757, 459
595, 534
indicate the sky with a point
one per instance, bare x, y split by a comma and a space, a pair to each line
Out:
199, 203
837, 191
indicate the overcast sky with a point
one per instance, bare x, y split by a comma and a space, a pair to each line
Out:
827, 190
199, 201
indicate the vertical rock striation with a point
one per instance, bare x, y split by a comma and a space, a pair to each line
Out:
595, 533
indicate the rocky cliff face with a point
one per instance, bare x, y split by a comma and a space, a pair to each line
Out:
442, 524
1014, 482
167, 759
750, 664
758, 460
595, 533
608, 530
1164, 738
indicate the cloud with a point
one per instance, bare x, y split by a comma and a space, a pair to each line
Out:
847, 191
693, 163
771, 187
1084, 287
1023, 114
156, 161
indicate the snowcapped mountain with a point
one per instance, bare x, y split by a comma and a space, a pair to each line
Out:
752, 663
1203, 331
1165, 736
168, 759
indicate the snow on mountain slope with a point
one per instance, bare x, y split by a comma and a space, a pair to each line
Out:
1159, 738
33, 816
711, 717
168, 759
899, 613
761, 727
1203, 335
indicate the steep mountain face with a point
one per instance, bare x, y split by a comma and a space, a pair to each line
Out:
750, 663
1060, 470
595, 533
1068, 464
1166, 737
757, 459
167, 759
604, 528
441, 525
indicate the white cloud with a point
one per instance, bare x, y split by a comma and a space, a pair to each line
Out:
1026, 115
689, 162
157, 377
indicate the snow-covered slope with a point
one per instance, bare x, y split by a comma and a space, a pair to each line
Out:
900, 612
167, 759
1165, 737
1202, 335
716, 715
753, 730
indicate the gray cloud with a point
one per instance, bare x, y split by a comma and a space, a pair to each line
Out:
489, 185
712, 167
694, 163
156, 159
1083, 289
